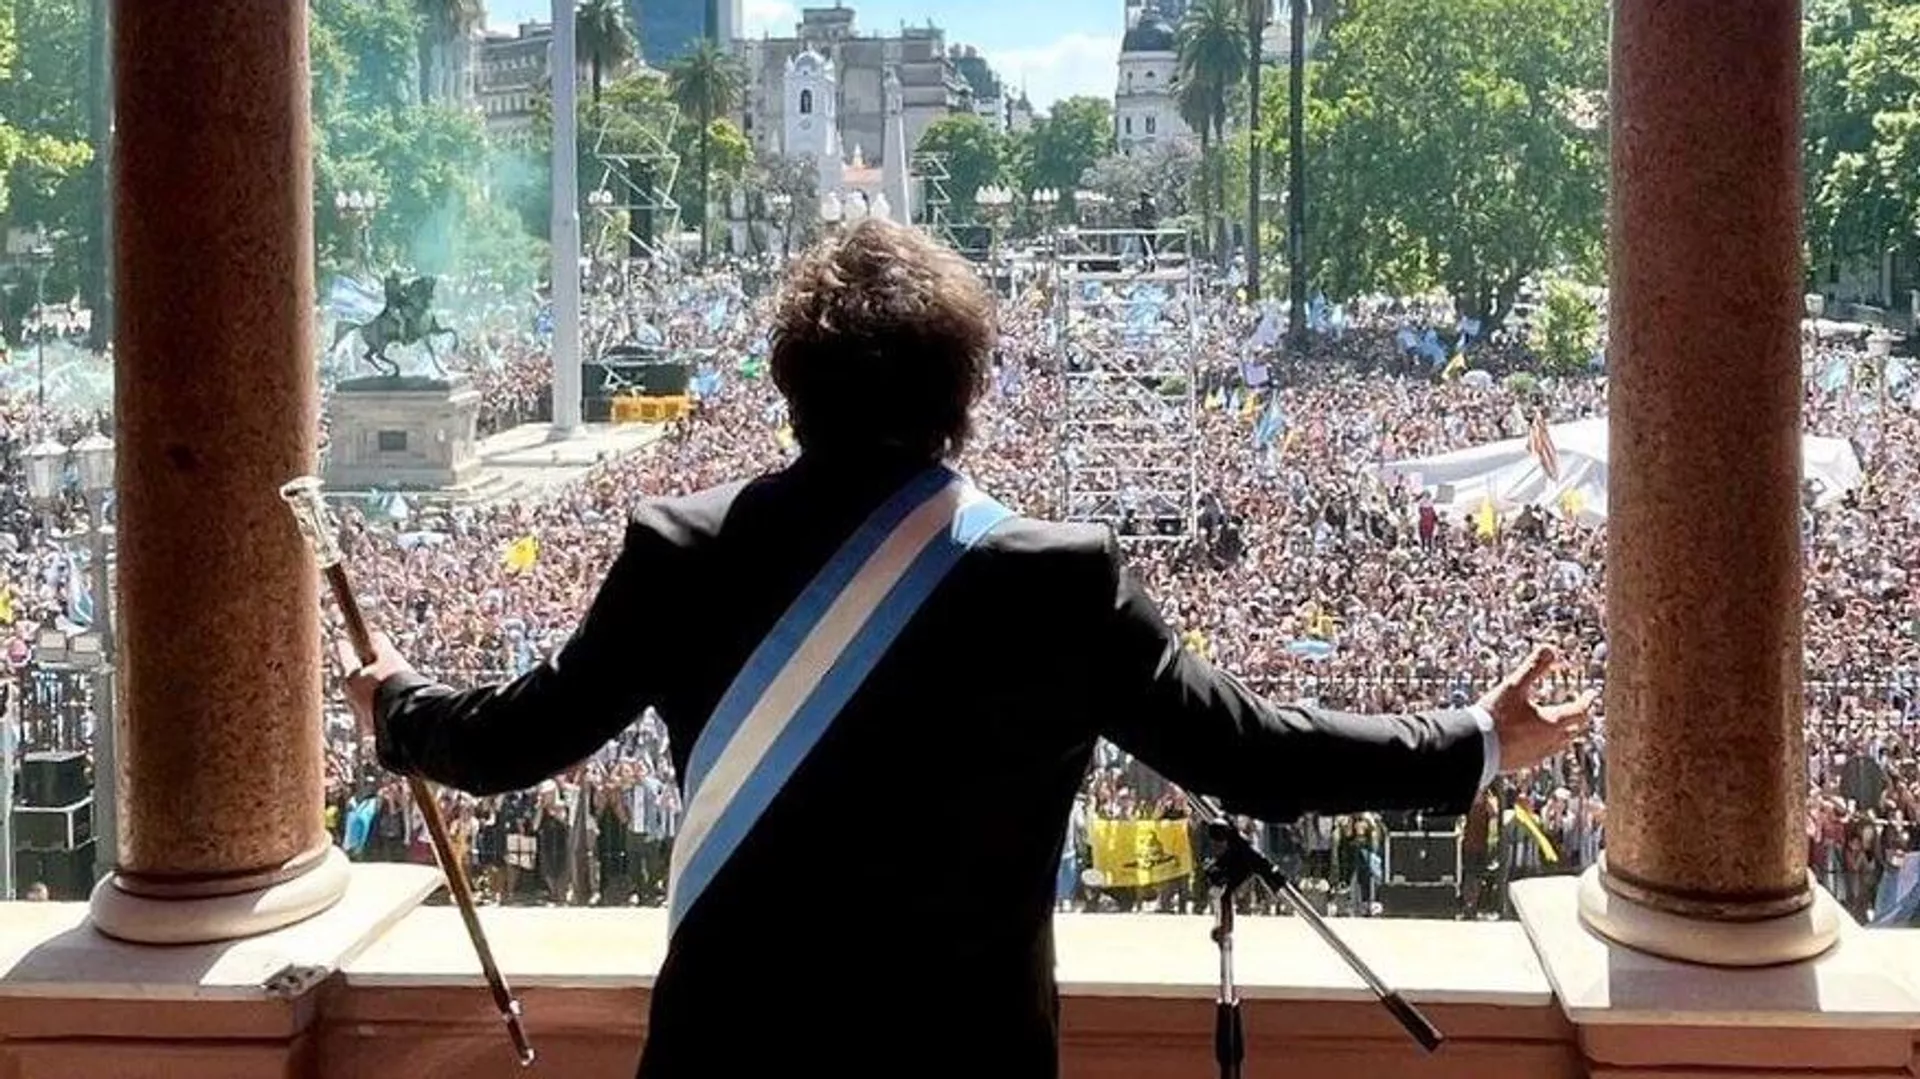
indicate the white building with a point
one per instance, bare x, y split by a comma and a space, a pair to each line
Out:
810, 103
1145, 106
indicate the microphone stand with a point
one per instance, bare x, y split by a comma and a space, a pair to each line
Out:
1230, 864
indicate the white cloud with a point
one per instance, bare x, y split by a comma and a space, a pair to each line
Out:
1077, 63
773, 18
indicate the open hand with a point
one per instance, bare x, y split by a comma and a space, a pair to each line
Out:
363, 679
1530, 733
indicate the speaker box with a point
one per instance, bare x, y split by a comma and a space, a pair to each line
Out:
53, 827
53, 778
1419, 900
68, 874
1423, 858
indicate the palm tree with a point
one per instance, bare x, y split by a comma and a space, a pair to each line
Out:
441, 21
707, 84
1257, 15
602, 38
1213, 46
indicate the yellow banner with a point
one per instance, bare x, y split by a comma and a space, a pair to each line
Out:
1138, 853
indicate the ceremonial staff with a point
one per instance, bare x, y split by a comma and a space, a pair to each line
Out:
310, 511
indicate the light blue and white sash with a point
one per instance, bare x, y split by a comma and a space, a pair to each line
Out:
811, 663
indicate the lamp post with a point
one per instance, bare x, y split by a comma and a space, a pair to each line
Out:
993, 200
357, 208
832, 212
41, 255
781, 204
1043, 201
92, 461
600, 201
1093, 204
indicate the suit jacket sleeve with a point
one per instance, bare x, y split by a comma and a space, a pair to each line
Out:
510, 736
1206, 731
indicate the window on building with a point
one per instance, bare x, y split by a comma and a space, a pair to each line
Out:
1128, 125
806, 102
746, 122
1149, 125
1150, 76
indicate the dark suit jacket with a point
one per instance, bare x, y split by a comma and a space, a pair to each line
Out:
901, 887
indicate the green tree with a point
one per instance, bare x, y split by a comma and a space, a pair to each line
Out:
429, 166
1862, 84
1213, 48
1566, 329
44, 153
976, 156
1169, 168
1061, 147
798, 179
707, 85
1459, 145
604, 41
729, 162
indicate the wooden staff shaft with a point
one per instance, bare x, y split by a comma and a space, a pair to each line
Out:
429, 806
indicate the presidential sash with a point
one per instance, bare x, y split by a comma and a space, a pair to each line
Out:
811, 663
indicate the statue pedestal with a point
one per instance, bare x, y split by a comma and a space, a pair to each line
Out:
402, 434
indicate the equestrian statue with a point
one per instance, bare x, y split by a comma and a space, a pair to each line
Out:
407, 319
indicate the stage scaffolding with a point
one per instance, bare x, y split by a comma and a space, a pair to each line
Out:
1128, 345
637, 173
936, 201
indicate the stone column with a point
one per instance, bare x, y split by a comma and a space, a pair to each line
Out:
221, 830
1706, 843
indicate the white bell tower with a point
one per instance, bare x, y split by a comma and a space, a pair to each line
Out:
811, 100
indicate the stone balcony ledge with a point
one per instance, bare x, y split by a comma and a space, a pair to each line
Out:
381, 986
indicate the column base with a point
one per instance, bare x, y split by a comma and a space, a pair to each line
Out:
1790, 938
142, 920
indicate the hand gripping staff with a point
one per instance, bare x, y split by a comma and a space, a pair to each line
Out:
310, 512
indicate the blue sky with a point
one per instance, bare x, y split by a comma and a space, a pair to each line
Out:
1056, 48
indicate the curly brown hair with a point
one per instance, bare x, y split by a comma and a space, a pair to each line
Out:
882, 337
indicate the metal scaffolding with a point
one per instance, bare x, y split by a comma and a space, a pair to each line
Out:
1128, 438
936, 201
638, 183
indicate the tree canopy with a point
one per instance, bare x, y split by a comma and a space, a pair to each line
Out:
1459, 145
43, 121
976, 156
1862, 85
1064, 144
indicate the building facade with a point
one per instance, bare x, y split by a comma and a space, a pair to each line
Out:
1146, 108
670, 29
986, 94
931, 85
513, 73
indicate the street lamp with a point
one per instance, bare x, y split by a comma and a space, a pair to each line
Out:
92, 461
1094, 204
40, 254
357, 207
993, 200
46, 472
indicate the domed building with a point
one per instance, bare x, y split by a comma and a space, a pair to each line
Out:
1145, 109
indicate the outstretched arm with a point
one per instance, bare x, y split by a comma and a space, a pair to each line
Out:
1205, 730
506, 737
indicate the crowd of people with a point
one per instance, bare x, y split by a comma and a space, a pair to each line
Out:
1309, 578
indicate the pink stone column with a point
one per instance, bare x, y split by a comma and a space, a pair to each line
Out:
1706, 754
221, 828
